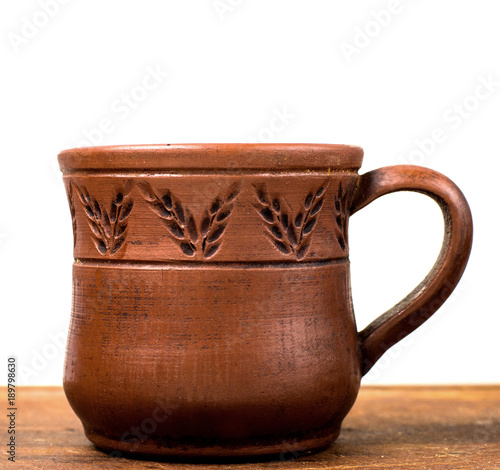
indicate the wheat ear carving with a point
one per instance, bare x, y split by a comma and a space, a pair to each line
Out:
109, 230
69, 192
341, 217
289, 233
194, 239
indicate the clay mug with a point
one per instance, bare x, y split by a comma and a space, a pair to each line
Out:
212, 312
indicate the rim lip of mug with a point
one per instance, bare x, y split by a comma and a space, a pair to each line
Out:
169, 157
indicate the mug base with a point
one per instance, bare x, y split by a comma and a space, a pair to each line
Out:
165, 449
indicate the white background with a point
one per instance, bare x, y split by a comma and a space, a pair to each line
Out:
231, 66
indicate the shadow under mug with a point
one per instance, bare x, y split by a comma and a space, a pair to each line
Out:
212, 312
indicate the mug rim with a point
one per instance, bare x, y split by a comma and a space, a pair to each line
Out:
213, 156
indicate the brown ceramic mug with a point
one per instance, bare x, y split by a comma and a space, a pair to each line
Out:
212, 312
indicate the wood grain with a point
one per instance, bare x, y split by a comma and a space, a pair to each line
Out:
389, 428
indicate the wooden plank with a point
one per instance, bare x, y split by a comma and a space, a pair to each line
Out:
389, 428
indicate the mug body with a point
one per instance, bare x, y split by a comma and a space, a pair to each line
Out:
212, 311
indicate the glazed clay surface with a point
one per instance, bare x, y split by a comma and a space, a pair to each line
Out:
211, 293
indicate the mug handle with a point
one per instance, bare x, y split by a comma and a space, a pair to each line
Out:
398, 322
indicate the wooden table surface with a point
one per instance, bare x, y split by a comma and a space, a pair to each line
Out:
389, 428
